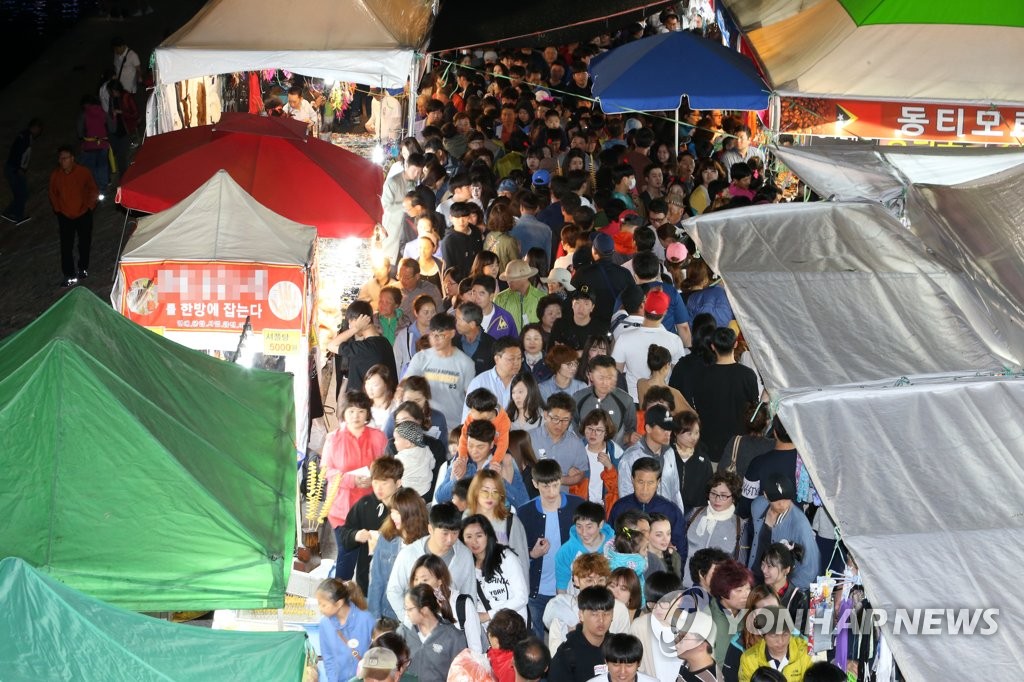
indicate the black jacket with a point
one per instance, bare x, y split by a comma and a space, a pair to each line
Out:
366, 514
577, 660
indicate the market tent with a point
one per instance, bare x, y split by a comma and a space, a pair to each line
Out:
219, 221
469, 23
887, 49
893, 370
924, 476
140, 472
862, 171
362, 41
836, 293
304, 179
633, 78
50, 631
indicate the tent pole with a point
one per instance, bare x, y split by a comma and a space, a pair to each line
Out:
120, 244
414, 82
676, 148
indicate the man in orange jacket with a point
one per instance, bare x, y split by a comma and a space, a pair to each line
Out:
73, 195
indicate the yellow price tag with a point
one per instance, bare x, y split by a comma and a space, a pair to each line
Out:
281, 341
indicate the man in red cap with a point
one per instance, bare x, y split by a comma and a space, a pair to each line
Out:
631, 348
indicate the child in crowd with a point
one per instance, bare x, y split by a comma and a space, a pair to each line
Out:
346, 626
562, 614
415, 456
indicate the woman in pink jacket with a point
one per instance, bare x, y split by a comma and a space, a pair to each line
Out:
353, 446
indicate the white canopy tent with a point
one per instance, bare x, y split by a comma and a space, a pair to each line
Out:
363, 41
221, 223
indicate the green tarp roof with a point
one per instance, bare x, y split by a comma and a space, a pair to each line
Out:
51, 632
985, 13
140, 472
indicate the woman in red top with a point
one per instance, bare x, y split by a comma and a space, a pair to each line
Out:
353, 446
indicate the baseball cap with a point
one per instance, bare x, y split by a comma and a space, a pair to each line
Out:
778, 487
379, 662
508, 185
604, 244
543, 96
584, 293
677, 252
632, 124
658, 415
656, 302
541, 178
561, 276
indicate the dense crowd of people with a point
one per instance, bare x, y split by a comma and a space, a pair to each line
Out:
552, 458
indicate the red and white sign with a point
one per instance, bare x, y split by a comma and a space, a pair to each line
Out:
903, 121
214, 295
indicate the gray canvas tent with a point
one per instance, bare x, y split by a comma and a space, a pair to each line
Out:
895, 357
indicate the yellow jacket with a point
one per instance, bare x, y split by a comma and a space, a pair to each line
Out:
799, 660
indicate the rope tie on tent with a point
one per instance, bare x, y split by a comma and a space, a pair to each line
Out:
592, 100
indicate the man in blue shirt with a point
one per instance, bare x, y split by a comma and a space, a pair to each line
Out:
528, 230
547, 520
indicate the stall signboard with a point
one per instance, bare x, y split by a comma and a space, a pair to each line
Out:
908, 121
217, 296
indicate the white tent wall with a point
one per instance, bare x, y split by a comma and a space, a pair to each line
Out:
863, 171
856, 327
831, 293
925, 481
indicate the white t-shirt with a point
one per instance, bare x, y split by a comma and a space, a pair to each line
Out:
631, 350
595, 486
304, 112
127, 66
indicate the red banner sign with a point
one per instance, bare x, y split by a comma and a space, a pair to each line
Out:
901, 121
214, 296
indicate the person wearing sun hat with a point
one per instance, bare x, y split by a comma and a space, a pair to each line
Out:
520, 299
561, 278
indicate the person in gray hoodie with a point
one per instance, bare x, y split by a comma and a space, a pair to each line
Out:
433, 641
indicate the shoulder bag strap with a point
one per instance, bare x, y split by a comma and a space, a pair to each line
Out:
735, 453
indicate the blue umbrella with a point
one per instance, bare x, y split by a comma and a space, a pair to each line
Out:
653, 74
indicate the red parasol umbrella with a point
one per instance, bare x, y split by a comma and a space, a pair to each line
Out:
302, 178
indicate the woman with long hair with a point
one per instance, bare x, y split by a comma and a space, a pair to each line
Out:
461, 608
417, 389
624, 585
520, 448
380, 385
695, 465
487, 498
707, 171
406, 523
500, 222
501, 583
776, 565
525, 406
485, 263
433, 641
595, 345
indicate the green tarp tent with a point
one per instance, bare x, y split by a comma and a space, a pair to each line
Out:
140, 472
51, 632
